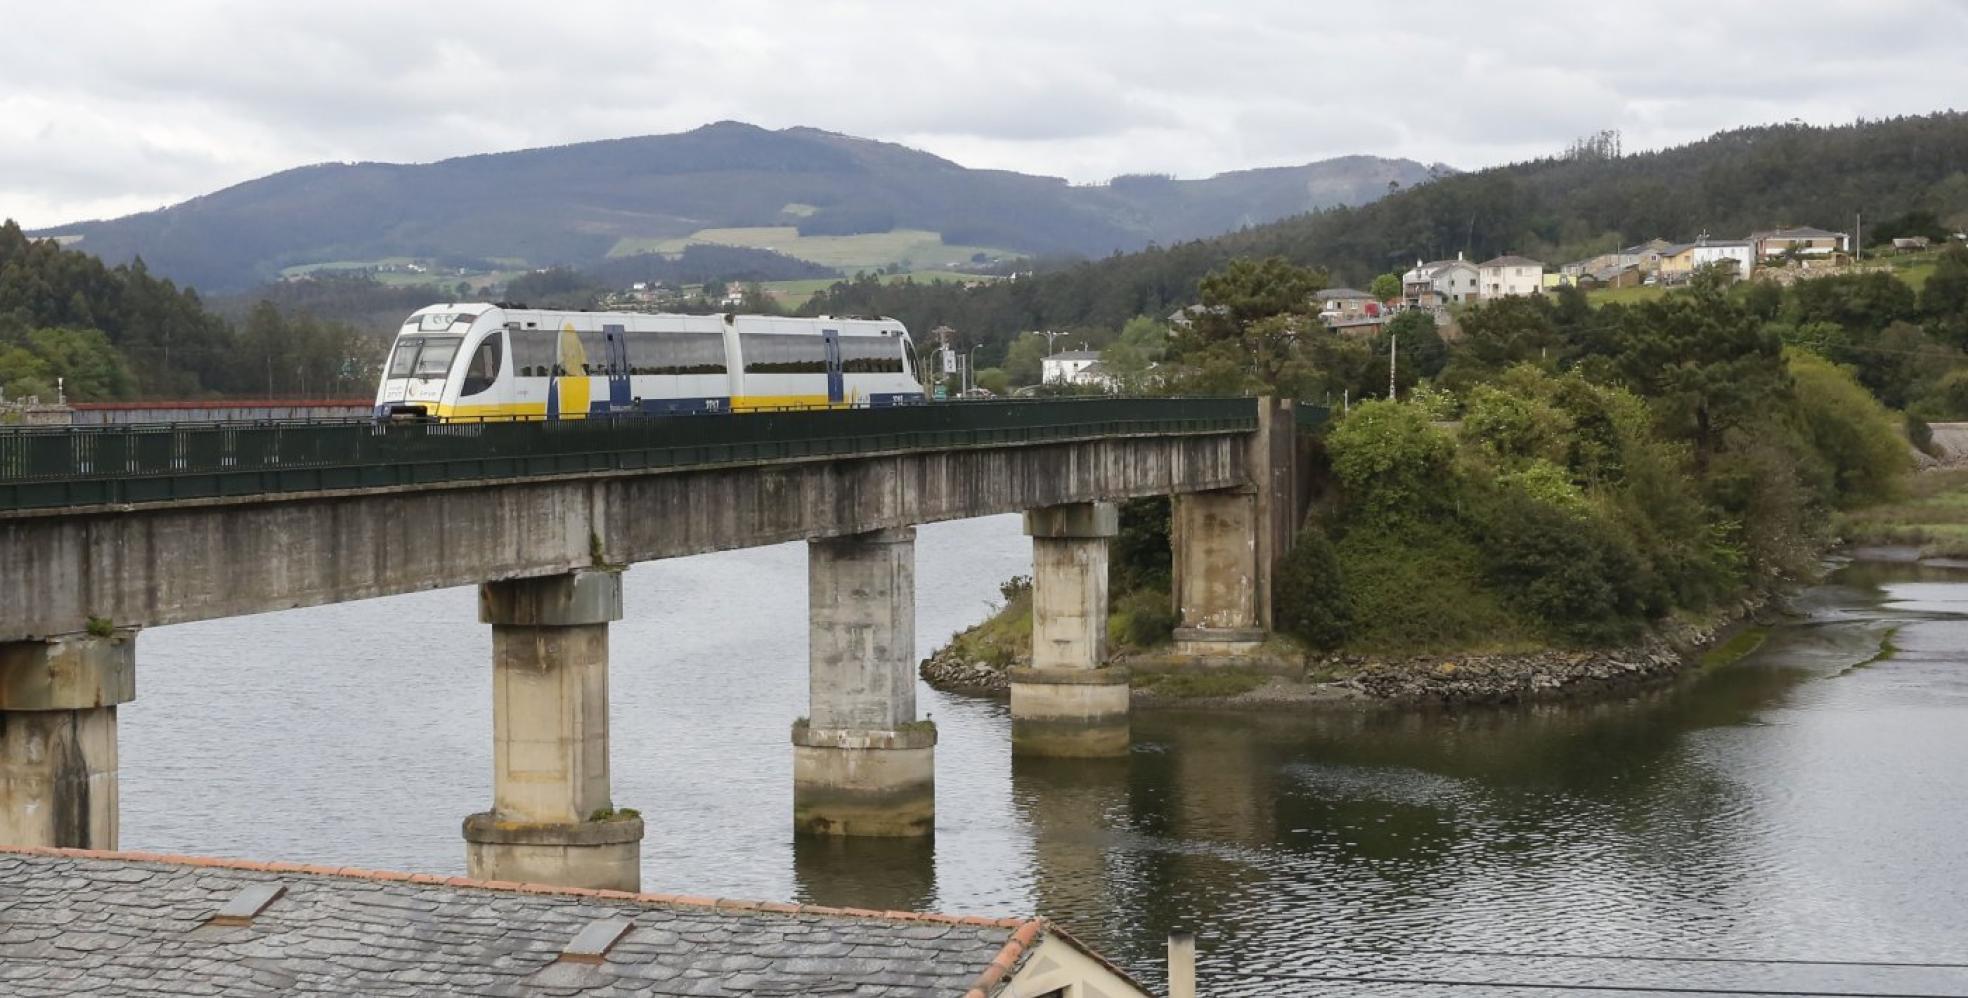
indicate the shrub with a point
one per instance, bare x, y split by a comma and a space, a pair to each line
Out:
1149, 617
1139, 556
1308, 595
1849, 431
1416, 586
1568, 572
1389, 460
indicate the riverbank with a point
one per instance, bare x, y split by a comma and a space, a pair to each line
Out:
1282, 675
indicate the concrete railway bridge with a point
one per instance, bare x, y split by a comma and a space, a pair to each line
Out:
107, 530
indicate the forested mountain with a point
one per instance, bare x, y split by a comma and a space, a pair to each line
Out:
1553, 209
575, 204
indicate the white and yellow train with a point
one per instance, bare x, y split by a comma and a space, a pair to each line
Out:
482, 361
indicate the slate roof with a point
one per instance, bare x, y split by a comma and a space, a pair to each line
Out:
1512, 261
1343, 294
74, 921
1075, 355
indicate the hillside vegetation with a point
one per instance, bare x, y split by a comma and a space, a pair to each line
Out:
1561, 476
1552, 209
580, 204
122, 332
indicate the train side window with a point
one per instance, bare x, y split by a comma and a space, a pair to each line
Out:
483, 369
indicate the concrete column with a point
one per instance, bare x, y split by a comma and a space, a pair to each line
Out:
1070, 702
862, 763
1217, 580
58, 738
552, 819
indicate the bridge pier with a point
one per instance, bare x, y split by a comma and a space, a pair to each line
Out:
1217, 585
862, 764
552, 819
1069, 703
58, 697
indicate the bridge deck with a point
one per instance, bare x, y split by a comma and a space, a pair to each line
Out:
48, 469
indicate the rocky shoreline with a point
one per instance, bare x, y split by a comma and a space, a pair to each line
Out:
1436, 680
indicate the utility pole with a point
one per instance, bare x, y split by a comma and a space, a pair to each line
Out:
1858, 235
1391, 341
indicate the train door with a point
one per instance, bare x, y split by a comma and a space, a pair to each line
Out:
836, 385
616, 336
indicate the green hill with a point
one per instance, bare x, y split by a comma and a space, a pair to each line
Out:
803, 192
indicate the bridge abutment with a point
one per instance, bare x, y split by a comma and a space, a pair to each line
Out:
1070, 703
552, 819
862, 764
58, 764
1214, 536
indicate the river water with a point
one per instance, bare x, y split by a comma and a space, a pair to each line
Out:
1795, 805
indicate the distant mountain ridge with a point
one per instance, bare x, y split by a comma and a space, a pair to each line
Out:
574, 204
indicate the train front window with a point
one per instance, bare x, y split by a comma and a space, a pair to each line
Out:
426, 357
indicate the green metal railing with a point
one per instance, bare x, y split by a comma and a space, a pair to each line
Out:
52, 467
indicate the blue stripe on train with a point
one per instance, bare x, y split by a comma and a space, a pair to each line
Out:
683, 406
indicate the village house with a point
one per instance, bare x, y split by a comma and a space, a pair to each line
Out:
1737, 253
1440, 283
1073, 367
1914, 243
1804, 241
1346, 303
1644, 256
1510, 275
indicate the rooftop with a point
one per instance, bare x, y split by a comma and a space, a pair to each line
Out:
1343, 294
1075, 355
74, 921
1513, 261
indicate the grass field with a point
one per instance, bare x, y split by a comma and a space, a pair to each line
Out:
793, 294
1933, 517
405, 278
870, 251
1625, 296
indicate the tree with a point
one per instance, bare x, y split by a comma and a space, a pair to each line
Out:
1386, 287
1704, 364
1258, 309
1944, 299
1420, 352
1024, 362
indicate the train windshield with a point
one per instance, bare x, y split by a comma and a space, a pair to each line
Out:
427, 357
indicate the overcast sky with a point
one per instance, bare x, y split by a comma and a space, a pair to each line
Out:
110, 108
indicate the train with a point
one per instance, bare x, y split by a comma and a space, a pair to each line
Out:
460, 362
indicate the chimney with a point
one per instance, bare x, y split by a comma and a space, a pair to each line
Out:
1182, 964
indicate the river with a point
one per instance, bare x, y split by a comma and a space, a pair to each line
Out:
1794, 805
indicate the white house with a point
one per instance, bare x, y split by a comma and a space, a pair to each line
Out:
1070, 367
1510, 275
1441, 282
1712, 251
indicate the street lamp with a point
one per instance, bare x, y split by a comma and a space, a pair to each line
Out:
970, 367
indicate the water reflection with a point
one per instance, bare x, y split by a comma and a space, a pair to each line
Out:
877, 874
1803, 802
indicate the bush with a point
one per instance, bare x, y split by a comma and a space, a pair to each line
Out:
1568, 572
1389, 460
1849, 431
1308, 596
1414, 587
1149, 617
1139, 556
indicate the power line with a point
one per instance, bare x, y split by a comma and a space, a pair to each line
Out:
1649, 958
1548, 986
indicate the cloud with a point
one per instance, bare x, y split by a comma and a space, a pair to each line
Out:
116, 106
